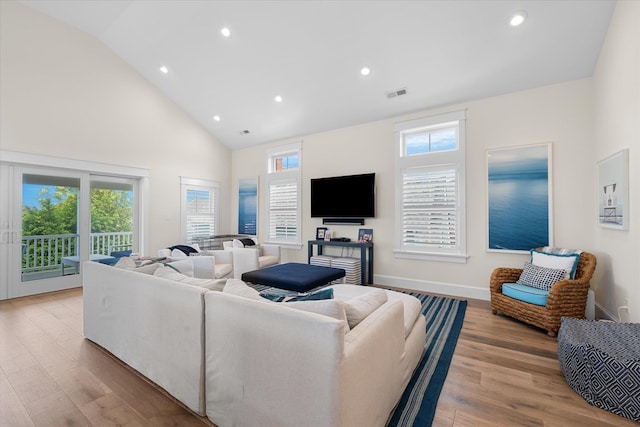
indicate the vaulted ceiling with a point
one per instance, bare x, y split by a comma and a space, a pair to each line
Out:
311, 53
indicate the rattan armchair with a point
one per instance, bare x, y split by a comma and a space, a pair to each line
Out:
566, 298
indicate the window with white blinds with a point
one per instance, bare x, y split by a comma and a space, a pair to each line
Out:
430, 213
283, 212
284, 194
199, 209
429, 204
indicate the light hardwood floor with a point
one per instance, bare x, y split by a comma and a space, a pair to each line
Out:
503, 373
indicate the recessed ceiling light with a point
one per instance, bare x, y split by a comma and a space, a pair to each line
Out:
225, 32
517, 18
365, 71
216, 118
278, 98
164, 69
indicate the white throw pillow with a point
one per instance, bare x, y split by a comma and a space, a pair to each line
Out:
239, 288
171, 274
328, 307
177, 253
361, 306
184, 266
569, 262
125, 262
148, 269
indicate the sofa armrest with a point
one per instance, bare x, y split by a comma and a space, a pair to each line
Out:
221, 256
372, 374
244, 259
271, 250
503, 275
271, 365
154, 325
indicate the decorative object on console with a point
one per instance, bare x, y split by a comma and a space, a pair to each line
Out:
613, 191
365, 235
320, 233
519, 198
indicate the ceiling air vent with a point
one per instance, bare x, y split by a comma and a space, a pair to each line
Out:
397, 92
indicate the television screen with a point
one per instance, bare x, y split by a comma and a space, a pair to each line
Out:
351, 196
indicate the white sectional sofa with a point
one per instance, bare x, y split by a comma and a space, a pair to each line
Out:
154, 325
244, 361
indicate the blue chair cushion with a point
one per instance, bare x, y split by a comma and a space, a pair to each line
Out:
120, 254
525, 293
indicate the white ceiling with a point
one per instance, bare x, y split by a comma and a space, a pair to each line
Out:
311, 53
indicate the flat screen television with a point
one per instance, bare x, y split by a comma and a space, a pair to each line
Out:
351, 196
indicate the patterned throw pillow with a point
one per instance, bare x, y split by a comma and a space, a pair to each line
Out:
540, 277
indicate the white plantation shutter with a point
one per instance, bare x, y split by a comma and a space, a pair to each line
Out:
283, 214
430, 188
201, 214
198, 209
429, 204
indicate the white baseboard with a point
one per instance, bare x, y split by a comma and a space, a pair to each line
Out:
451, 289
603, 313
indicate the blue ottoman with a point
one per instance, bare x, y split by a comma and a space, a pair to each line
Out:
601, 362
294, 276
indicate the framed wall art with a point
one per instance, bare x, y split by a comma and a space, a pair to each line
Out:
613, 191
248, 206
519, 197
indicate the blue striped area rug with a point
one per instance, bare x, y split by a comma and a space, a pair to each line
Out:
417, 406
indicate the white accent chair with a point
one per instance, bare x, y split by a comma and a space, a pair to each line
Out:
222, 260
249, 258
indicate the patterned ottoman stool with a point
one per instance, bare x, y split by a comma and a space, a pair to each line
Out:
601, 362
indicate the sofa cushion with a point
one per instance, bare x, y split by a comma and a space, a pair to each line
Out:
540, 277
183, 266
412, 306
525, 293
266, 260
567, 262
171, 274
361, 306
239, 288
329, 307
223, 270
127, 263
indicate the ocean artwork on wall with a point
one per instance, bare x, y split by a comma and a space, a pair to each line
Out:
248, 206
613, 192
519, 198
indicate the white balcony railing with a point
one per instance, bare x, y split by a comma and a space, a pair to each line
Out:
45, 252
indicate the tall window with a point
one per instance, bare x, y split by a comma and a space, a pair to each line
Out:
430, 196
199, 209
284, 188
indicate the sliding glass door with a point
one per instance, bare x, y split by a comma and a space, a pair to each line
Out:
54, 220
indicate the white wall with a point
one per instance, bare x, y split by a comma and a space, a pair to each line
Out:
64, 93
617, 126
560, 113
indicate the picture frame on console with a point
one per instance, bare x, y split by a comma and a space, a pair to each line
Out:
320, 233
365, 235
